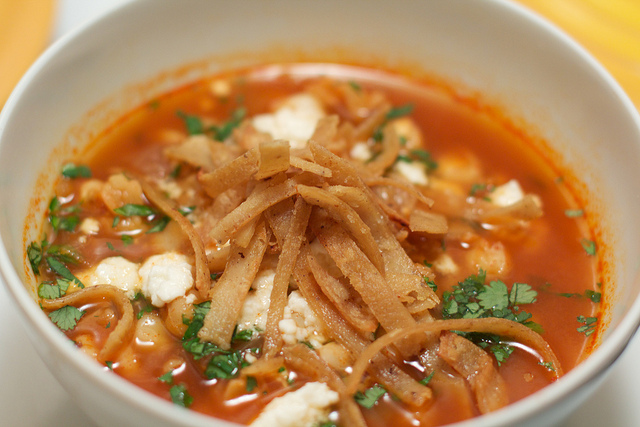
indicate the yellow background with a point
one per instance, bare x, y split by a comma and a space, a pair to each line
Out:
609, 29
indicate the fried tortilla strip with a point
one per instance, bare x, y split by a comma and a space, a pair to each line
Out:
366, 280
342, 213
111, 293
286, 262
326, 130
348, 302
528, 208
231, 174
279, 217
243, 237
307, 166
394, 379
217, 258
342, 172
274, 158
301, 358
369, 125
202, 277
230, 291
489, 325
428, 222
477, 367
198, 151
259, 200
400, 184
400, 271
388, 154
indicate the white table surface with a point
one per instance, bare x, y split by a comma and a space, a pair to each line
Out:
31, 397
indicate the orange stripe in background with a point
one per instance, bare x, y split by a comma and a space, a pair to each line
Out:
608, 29
25, 30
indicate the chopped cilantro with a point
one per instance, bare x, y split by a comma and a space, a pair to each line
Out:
145, 309
430, 283
167, 378
472, 298
573, 213
589, 246
176, 171
252, 383
116, 221
34, 253
71, 170
243, 335
63, 218
426, 379
224, 366
403, 110
501, 351
110, 246
186, 210
355, 86
592, 295
476, 188
66, 317
126, 239
192, 123
547, 365
370, 396
220, 133
109, 364
132, 209
589, 326
159, 225
180, 396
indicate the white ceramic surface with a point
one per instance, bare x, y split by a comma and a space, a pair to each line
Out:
568, 105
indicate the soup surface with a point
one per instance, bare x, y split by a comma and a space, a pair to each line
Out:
320, 245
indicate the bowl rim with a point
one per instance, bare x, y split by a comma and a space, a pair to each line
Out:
593, 366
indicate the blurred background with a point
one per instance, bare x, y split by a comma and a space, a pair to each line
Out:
30, 396
609, 29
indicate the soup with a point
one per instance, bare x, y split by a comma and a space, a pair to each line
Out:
320, 245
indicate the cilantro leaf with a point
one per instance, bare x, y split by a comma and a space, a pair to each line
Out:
192, 123
66, 317
220, 133
71, 170
159, 225
59, 268
521, 293
403, 110
589, 326
50, 290
252, 383
589, 246
34, 253
180, 396
224, 366
370, 396
167, 378
132, 209
426, 379
495, 296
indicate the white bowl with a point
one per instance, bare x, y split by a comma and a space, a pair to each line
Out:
516, 60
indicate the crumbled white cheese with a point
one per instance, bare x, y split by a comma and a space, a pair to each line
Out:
170, 188
444, 264
415, 172
299, 323
166, 277
507, 194
361, 151
306, 407
90, 226
254, 311
295, 121
116, 271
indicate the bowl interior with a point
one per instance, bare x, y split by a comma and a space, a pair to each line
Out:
515, 60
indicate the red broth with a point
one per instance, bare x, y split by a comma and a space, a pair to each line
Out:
551, 254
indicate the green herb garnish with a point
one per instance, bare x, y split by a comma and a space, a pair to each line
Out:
370, 396
66, 317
